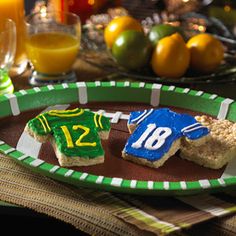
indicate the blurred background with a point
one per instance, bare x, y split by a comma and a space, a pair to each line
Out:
217, 17
144, 8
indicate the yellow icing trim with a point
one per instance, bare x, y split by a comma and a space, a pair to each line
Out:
68, 136
100, 121
95, 119
46, 122
44, 127
63, 113
86, 132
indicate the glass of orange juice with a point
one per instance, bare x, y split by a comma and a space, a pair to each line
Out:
7, 54
14, 10
52, 45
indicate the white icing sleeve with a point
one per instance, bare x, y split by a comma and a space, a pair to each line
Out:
189, 131
138, 117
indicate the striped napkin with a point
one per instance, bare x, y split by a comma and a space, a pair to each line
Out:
103, 213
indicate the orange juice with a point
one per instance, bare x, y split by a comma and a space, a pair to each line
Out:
52, 52
14, 9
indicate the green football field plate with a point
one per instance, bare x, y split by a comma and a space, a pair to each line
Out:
137, 92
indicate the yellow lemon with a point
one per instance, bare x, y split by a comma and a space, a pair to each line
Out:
206, 52
170, 57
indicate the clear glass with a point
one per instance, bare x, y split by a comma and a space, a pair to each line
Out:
7, 53
52, 45
14, 10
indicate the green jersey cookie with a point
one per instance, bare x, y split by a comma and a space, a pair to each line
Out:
75, 135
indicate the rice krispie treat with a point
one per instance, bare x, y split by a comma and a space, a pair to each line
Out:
218, 150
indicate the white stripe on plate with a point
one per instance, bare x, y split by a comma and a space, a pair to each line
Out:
183, 185
1, 142
224, 107
116, 182
23, 92
186, 90
65, 85
23, 157
199, 93
141, 85
99, 179
166, 185
82, 90
150, 184
213, 96
100, 112
9, 150
133, 183
113, 83
83, 176
28, 145
204, 183
54, 169
116, 117
171, 88
126, 84
125, 116
155, 95
36, 162
221, 182
69, 173
36, 89
50, 87
14, 104
97, 83
111, 115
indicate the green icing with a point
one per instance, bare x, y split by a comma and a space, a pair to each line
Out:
76, 132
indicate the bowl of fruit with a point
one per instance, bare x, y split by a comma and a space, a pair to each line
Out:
165, 53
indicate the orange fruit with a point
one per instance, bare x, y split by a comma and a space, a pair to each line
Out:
119, 25
206, 52
170, 57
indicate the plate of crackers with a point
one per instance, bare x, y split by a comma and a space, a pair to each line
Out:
126, 137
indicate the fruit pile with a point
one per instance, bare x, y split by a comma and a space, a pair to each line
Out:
163, 48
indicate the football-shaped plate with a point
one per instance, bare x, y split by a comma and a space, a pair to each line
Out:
117, 99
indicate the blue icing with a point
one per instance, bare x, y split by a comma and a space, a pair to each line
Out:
145, 143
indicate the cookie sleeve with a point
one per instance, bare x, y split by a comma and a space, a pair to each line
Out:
40, 125
101, 122
137, 117
193, 130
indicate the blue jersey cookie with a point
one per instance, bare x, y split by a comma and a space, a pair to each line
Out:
157, 135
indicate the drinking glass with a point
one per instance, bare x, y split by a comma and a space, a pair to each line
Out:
14, 10
52, 45
7, 53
